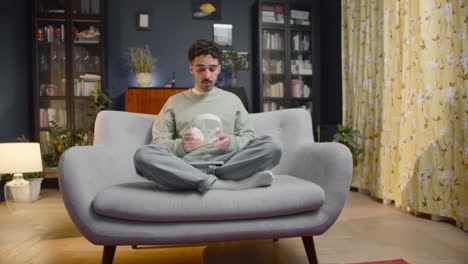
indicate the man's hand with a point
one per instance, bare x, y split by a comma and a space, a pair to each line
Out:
222, 142
189, 143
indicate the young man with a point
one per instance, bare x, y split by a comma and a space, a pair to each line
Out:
181, 158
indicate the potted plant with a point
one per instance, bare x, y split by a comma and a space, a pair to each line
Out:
142, 63
234, 61
352, 138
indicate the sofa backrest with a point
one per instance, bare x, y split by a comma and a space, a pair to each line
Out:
291, 126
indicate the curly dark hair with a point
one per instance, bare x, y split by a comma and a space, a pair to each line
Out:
205, 47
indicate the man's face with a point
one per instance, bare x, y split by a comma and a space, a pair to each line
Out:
205, 70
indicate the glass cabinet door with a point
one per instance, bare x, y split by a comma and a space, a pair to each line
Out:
51, 79
273, 66
301, 64
86, 70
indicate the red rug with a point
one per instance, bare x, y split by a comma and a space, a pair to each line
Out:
395, 261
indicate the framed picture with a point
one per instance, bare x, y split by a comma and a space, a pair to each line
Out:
222, 34
206, 9
143, 21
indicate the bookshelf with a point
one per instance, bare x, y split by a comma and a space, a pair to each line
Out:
68, 64
283, 50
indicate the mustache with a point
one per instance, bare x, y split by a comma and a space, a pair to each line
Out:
207, 80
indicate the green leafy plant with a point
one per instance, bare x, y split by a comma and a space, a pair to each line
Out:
30, 175
352, 138
141, 60
62, 139
234, 61
101, 100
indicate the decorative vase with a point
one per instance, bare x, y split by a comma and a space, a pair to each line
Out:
143, 79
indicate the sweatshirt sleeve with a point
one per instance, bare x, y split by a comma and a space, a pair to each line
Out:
243, 130
164, 130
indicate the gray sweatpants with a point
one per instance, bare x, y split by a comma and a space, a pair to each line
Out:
159, 164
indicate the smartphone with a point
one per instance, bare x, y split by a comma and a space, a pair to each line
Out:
206, 163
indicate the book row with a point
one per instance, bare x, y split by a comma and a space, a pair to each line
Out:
299, 89
47, 115
273, 13
273, 40
301, 67
273, 65
273, 90
51, 90
51, 33
87, 84
300, 42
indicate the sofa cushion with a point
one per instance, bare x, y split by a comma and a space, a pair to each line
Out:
144, 201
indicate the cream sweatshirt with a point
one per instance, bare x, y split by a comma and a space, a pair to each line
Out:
174, 121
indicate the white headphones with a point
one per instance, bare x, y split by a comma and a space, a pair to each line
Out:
198, 134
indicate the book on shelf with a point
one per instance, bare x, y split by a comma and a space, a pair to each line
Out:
47, 115
301, 22
299, 14
273, 40
273, 90
51, 33
272, 66
86, 84
299, 89
301, 66
299, 17
88, 76
273, 14
268, 14
301, 43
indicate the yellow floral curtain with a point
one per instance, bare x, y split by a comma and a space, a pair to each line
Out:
405, 73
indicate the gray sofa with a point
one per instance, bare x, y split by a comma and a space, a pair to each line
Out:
111, 205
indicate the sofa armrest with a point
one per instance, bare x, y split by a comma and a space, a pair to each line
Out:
329, 165
84, 171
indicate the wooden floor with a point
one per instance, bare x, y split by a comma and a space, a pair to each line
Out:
366, 231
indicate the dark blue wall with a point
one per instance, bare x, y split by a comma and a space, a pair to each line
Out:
172, 32
15, 71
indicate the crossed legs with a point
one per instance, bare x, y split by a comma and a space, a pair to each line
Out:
243, 168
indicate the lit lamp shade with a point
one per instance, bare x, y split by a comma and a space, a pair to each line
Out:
19, 158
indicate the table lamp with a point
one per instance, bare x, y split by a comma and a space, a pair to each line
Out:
19, 158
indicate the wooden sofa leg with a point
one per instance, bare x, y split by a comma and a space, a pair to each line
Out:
310, 249
108, 254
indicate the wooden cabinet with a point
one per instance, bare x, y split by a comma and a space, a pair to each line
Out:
148, 100
151, 100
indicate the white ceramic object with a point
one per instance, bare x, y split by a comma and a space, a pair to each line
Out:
143, 79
